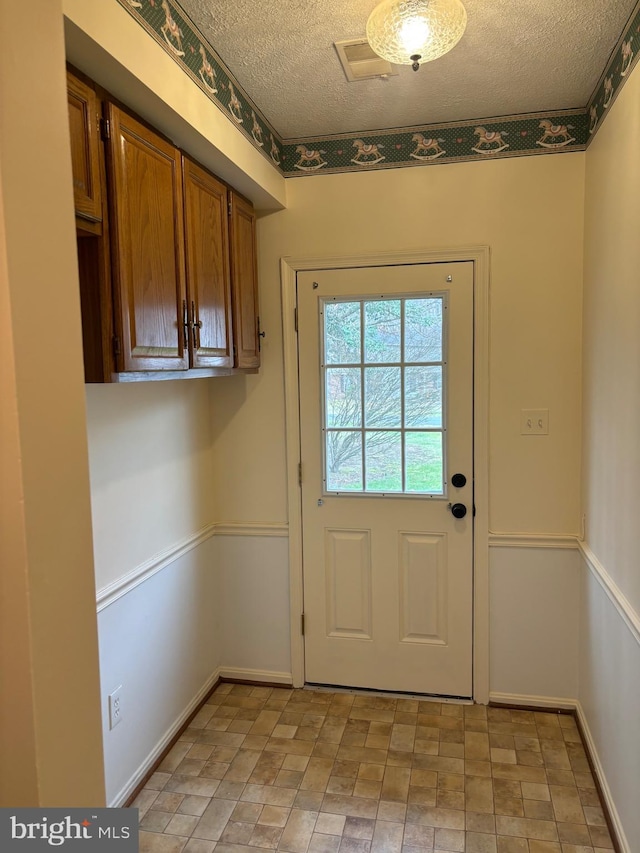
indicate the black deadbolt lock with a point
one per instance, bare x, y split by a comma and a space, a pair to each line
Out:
458, 480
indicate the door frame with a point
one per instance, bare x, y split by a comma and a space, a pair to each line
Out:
480, 257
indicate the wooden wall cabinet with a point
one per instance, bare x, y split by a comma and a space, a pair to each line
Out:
168, 258
147, 247
208, 275
245, 282
84, 126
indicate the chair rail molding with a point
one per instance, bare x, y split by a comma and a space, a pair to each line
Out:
533, 540
147, 569
629, 614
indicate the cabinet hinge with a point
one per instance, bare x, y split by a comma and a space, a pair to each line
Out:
302, 624
105, 128
229, 207
295, 318
116, 345
299, 473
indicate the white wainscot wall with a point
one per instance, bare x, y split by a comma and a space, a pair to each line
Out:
253, 570
610, 695
534, 607
220, 607
160, 640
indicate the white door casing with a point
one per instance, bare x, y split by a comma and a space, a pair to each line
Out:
480, 257
387, 568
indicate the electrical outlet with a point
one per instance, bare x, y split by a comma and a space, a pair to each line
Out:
115, 707
534, 422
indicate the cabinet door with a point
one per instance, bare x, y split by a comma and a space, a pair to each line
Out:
83, 123
244, 282
145, 174
208, 281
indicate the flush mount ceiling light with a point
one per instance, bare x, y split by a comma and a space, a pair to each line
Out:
410, 32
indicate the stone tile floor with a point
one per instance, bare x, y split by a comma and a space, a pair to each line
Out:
313, 771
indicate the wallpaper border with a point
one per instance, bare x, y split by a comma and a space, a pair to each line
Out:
548, 132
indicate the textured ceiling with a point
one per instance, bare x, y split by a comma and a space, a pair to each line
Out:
517, 56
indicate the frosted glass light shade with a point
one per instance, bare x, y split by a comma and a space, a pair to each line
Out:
401, 30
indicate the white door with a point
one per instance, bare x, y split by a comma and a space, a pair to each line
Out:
386, 420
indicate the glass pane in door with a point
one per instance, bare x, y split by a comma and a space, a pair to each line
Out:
384, 364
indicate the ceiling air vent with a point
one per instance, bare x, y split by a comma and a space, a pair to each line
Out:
360, 62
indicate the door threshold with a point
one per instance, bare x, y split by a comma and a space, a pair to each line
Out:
390, 694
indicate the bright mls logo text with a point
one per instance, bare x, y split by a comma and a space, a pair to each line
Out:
60, 831
82, 830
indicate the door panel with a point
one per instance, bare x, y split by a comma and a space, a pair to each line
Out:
208, 280
348, 580
85, 158
423, 588
245, 282
148, 245
386, 416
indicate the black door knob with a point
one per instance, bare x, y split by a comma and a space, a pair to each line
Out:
458, 480
458, 510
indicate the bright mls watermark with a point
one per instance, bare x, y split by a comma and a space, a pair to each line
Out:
33, 830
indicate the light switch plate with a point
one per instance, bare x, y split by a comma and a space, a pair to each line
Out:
534, 422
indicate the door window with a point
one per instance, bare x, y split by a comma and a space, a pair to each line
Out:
384, 375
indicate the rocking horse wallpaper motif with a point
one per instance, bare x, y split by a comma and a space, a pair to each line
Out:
310, 160
207, 72
424, 146
275, 153
235, 108
627, 57
171, 31
489, 141
256, 130
365, 152
555, 135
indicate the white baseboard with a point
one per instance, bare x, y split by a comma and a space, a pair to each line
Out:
256, 675
123, 795
534, 701
604, 787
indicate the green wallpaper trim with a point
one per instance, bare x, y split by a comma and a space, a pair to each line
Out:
486, 139
176, 33
430, 144
619, 68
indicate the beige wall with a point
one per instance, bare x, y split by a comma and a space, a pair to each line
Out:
151, 475
610, 602
612, 342
18, 773
49, 629
529, 211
